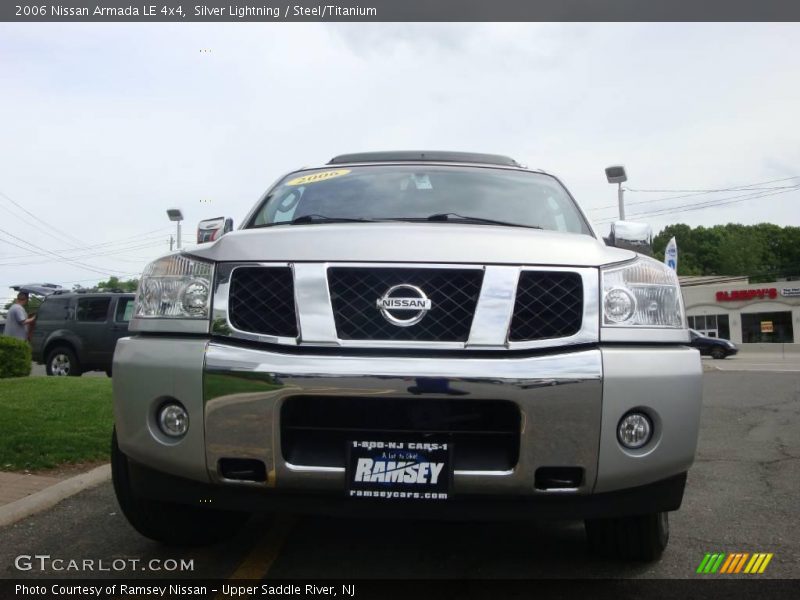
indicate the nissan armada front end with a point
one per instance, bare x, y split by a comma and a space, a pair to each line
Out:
436, 335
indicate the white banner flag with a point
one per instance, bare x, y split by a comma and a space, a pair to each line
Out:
671, 255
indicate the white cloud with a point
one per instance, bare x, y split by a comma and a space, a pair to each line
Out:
106, 126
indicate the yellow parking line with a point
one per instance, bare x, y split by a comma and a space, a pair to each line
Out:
258, 562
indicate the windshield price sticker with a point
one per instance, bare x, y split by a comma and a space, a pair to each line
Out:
412, 470
316, 177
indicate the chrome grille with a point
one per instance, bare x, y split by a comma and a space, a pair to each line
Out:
453, 294
262, 301
549, 304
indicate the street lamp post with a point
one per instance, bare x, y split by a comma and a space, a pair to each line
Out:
176, 215
616, 174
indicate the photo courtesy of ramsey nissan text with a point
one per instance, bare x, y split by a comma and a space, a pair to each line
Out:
399, 300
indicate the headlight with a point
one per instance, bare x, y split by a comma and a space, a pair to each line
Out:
644, 293
175, 287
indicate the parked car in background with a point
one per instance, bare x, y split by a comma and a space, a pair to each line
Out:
710, 346
76, 332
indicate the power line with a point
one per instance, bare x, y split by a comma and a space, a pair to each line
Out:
692, 207
138, 237
700, 192
59, 239
708, 204
63, 258
727, 189
91, 255
42, 221
110, 249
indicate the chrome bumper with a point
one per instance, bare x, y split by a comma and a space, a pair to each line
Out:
570, 404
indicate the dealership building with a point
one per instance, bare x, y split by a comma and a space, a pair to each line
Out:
743, 312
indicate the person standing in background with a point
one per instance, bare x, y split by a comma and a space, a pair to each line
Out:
17, 320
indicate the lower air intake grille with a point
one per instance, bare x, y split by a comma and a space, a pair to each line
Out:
484, 433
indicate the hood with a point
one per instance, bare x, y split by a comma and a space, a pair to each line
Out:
412, 242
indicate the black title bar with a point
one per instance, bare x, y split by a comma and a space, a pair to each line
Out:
398, 10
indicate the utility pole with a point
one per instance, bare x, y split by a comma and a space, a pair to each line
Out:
171, 242
176, 215
617, 174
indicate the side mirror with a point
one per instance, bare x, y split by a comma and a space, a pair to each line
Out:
631, 236
212, 229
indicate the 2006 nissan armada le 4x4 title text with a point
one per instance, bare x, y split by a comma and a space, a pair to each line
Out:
424, 334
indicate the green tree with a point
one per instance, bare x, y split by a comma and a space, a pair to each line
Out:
763, 251
114, 283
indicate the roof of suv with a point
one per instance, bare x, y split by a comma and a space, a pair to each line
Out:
424, 156
50, 289
90, 293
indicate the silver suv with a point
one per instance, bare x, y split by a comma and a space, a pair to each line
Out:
426, 334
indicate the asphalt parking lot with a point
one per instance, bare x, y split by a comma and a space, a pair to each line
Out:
741, 497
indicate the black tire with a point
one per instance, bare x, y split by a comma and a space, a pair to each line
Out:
165, 522
718, 353
642, 537
62, 361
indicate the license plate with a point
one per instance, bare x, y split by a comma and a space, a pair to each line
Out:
399, 469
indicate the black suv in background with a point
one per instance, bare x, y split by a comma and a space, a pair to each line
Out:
76, 332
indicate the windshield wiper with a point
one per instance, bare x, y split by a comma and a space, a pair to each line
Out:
315, 218
445, 217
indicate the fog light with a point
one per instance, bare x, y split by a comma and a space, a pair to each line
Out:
173, 420
635, 430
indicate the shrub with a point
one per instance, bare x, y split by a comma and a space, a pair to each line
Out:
15, 357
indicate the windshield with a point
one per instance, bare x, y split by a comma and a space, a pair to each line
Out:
418, 192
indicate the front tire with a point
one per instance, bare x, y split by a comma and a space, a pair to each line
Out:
62, 362
718, 353
641, 537
165, 522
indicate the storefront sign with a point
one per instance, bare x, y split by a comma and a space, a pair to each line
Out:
740, 295
766, 327
790, 292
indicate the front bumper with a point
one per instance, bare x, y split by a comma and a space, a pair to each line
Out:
570, 404
660, 496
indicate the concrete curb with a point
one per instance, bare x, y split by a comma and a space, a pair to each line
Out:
49, 497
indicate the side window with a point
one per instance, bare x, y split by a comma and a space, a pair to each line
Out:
53, 309
124, 310
92, 310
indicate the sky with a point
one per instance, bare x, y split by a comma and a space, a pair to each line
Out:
105, 126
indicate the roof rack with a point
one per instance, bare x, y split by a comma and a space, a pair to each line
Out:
424, 155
